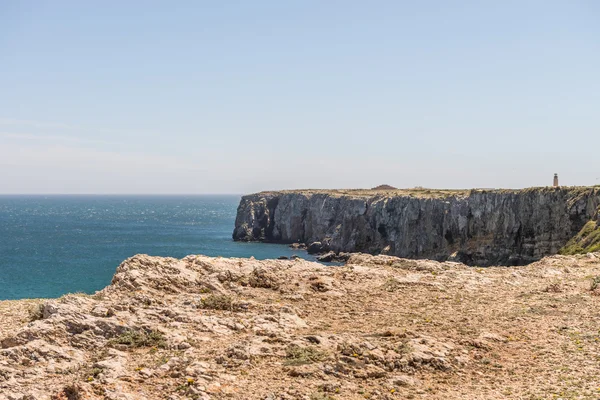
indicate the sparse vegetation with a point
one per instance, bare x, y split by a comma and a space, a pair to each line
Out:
554, 287
260, 278
595, 283
140, 338
36, 312
317, 284
92, 374
404, 348
69, 392
391, 285
221, 302
586, 241
217, 302
297, 355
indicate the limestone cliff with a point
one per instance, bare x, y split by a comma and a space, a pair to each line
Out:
477, 227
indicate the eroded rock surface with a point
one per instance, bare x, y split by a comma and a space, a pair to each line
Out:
477, 227
379, 327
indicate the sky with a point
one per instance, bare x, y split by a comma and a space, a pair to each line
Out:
186, 97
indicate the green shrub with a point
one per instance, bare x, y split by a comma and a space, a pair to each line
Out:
140, 338
297, 355
586, 241
260, 278
219, 302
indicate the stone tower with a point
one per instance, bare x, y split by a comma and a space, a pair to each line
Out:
555, 184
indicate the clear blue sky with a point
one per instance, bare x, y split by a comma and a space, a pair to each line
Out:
241, 96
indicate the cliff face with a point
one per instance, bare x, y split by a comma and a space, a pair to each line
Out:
478, 227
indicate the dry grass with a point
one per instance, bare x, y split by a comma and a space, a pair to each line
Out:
420, 192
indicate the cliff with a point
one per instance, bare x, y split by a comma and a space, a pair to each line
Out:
477, 227
379, 328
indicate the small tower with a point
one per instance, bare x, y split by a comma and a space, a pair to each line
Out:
555, 184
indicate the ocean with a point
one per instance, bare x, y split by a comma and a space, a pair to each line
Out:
53, 245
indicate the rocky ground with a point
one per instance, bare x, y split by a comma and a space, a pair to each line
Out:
377, 328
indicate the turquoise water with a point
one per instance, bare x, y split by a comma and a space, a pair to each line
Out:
52, 245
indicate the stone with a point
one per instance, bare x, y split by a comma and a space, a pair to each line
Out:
202, 327
461, 225
146, 372
315, 248
370, 371
197, 369
303, 371
327, 257
298, 246
403, 380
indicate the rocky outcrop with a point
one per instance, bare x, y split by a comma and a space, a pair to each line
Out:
477, 227
379, 327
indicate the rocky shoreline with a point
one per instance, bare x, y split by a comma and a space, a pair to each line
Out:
378, 327
475, 227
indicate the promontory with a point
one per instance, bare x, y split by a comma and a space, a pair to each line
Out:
476, 227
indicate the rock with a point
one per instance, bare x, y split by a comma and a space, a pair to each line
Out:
197, 369
146, 373
327, 257
333, 257
403, 380
303, 371
492, 336
298, 246
102, 312
462, 225
184, 346
214, 387
316, 248
461, 360
282, 258
342, 256
370, 371
48, 310
163, 370
202, 327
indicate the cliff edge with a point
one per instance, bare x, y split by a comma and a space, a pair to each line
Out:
476, 227
379, 328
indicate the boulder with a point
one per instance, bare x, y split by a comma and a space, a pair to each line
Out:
316, 248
